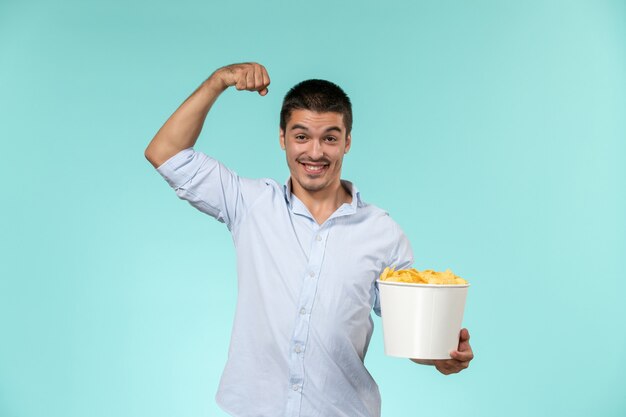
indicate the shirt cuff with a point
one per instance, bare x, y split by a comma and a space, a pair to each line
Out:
180, 168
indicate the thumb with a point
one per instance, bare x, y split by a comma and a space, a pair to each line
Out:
263, 92
464, 340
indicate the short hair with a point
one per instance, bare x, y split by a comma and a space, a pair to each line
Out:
317, 95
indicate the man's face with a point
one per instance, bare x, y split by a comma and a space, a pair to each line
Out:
315, 144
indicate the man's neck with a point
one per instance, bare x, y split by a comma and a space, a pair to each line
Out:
323, 203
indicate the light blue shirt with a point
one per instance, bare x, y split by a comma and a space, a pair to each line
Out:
305, 292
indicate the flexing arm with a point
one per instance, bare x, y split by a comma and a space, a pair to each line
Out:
183, 127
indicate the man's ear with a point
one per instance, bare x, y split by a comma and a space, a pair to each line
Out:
281, 135
348, 143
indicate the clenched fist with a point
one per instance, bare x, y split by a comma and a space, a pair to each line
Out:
246, 76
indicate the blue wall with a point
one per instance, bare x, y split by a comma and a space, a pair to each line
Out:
493, 132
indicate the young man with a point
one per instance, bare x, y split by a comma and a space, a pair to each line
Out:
308, 255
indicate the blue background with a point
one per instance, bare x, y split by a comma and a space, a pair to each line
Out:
492, 131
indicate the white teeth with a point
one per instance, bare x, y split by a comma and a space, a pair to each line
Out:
314, 167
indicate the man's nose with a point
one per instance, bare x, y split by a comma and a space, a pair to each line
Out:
316, 150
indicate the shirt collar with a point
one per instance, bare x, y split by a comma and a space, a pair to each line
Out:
356, 194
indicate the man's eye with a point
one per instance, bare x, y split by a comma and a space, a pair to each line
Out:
331, 139
300, 137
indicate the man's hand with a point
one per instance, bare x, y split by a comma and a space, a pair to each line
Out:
246, 76
460, 357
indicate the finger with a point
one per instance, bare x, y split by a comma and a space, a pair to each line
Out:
464, 347
455, 369
441, 368
444, 363
464, 335
250, 79
464, 340
444, 367
258, 78
462, 356
266, 77
452, 367
241, 79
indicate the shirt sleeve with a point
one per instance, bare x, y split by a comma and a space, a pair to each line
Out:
401, 258
208, 185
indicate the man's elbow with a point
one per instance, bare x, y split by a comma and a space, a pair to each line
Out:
158, 152
157, 156
149, 154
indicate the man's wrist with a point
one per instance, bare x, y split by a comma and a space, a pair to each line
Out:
215, 84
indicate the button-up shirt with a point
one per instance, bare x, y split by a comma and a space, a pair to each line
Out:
305, 292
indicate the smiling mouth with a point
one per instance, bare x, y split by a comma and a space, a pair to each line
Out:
314, 169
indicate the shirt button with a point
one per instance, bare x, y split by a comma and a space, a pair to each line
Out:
298, 349
311, 274
302, 310
295, 387
318, 238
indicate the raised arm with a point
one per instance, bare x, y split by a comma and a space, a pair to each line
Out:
183, 127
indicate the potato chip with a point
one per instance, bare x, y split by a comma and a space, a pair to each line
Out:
427, 276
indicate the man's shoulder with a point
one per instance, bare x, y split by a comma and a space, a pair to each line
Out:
261, 185
373, 210
378, 215
261, 191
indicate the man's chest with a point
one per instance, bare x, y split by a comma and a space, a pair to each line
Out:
339, 259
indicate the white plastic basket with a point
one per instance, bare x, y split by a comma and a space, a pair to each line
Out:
421, 321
